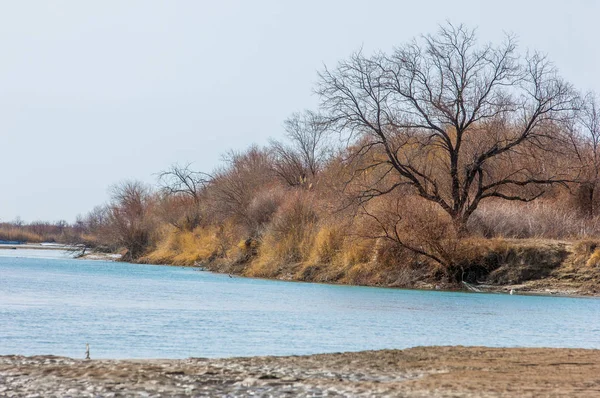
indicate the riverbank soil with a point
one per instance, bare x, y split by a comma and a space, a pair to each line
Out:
529, 266
416, 372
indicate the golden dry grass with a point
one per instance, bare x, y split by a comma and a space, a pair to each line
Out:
184, 247
594, 259
18, 234
327, 245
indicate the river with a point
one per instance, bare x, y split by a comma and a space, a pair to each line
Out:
50, 304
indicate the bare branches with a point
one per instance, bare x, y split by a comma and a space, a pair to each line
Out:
590, 118
307, 133
182, 190
447, 113
307, 152
586, 141
181, 179
129, 217
234, 188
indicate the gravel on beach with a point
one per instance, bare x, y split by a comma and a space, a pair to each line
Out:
415, 372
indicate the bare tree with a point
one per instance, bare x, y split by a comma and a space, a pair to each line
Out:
453, 121
129, 217
308, 149
182, 184
181, 179
587, 144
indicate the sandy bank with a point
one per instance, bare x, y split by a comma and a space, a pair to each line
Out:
100, 256
417, 372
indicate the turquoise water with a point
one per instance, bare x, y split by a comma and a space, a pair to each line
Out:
56, 306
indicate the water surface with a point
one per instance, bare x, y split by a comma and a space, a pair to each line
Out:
57, 305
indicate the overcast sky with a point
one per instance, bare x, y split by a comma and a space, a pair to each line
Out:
93, 92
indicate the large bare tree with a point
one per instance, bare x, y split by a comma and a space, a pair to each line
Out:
453, 121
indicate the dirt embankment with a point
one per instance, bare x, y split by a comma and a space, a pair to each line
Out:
498, 265
417, 372
546, 267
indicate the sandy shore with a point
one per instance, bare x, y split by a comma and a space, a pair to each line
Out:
416, 372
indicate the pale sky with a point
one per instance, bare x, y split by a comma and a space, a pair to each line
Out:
93, 92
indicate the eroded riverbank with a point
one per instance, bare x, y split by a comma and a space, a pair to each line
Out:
417, 372
524, 266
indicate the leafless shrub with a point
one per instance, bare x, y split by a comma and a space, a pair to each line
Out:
235, 186
305, 154
183, 189
410, 223
543, 219
291, 230
180, 211
129, 221
263, 207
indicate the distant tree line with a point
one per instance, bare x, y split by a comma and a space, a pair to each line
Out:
39, 231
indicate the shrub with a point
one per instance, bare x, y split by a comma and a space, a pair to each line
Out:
542, 219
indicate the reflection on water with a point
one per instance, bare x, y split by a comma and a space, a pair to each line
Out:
56, 306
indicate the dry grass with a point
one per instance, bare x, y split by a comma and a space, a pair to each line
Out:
585, 252
594, 259
272, 254
184, 247
288, 238
327, 246
18, 234
541, 219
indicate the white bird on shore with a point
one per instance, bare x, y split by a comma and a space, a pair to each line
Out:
512, 291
